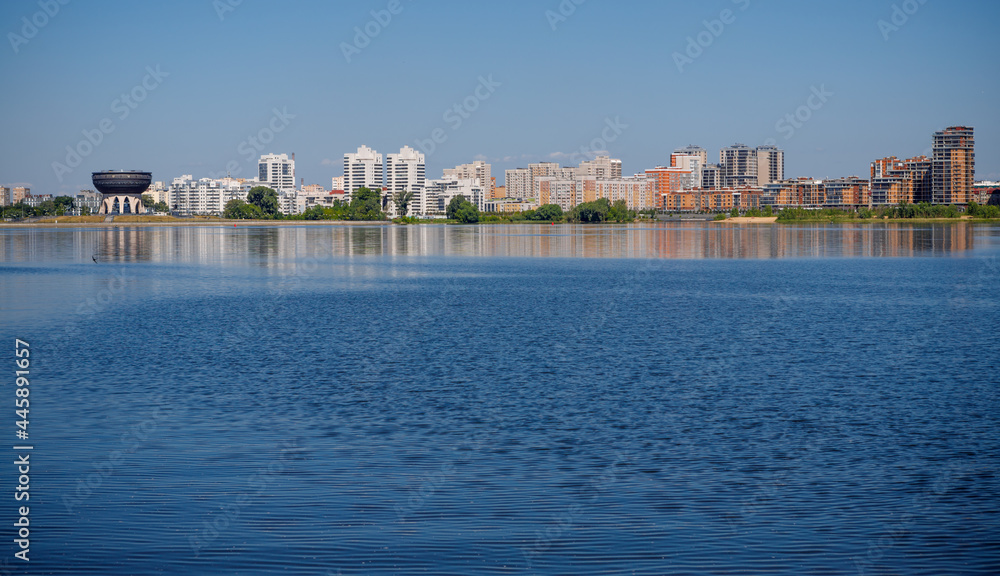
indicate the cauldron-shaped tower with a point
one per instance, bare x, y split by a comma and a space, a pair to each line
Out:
122, 190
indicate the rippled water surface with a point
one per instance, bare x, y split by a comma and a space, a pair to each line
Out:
668, 399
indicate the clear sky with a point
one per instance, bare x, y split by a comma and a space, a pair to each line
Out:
181, 87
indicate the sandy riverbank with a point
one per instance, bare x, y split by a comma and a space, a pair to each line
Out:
750, 220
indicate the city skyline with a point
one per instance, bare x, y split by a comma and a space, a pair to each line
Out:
559, 82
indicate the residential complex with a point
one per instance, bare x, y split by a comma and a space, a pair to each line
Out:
276, 171
745, 178
954, 165
363, 169
404, 172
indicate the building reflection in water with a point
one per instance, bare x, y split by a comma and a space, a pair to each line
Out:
283, 247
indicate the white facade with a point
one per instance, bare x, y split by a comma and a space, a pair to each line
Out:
337, 183
362, 170
405, 172
478, 169
689, 162
276, 171
438, 193
206, 196
89, 199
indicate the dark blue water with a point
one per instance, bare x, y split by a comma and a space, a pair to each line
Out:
321, 401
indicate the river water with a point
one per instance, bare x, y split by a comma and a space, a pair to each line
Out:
646, 399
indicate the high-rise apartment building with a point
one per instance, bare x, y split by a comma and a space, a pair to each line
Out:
894, 180
565, 192
4, 196
739, 166
602, 167
19, 194
954, 165
337, 183
405, 172
362, 169
692, 163
518, 183
711, 177
770, 164
664, 181
479, 170
276, 171
692, 150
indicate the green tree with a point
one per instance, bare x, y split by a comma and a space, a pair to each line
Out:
402, 201
265, 199
467, 213
453, 207
547, 213
147, 201
47, 208
366, 204
239, 210
161, 207
85, 211
734, 212
64, 204
596, 211
619, 212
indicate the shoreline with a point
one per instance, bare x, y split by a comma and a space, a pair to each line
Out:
768, 220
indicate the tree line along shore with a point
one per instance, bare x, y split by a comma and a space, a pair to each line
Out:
367, 206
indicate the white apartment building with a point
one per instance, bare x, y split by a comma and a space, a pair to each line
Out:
438, 193
478, 169
362, 169
405, 172
276, 171
692, 163
90, 199
206, 196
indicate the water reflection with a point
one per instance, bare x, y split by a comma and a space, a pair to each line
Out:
268, 245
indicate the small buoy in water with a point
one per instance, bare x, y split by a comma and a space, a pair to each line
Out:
234, 225
553, 223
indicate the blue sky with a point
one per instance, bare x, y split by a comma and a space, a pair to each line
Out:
212, 74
